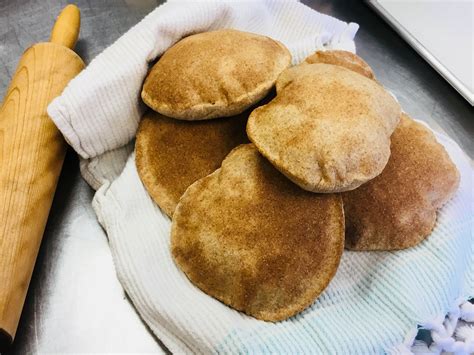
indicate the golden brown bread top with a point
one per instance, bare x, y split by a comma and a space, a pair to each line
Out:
252, 239
172, 154
397, 209
328, 129
344, 59
214, 74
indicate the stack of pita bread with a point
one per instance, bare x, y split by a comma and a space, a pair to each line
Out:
265, 195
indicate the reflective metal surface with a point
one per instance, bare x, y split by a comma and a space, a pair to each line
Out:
75, 302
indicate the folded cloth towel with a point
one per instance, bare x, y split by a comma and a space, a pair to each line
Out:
374, 300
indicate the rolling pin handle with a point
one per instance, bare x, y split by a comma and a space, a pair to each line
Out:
66, 28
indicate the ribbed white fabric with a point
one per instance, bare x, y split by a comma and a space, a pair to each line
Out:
374, 300
103, 114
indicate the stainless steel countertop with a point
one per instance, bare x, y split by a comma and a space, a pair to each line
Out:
75, 302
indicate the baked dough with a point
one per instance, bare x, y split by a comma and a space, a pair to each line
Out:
344, 59
214, 74
397, 209
251, 238
328, 129
172, 154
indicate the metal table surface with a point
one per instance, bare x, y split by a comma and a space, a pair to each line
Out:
75, 302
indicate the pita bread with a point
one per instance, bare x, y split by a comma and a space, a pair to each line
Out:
252, 239
397, 209
328, 129
172, 154
344, 59
214, 74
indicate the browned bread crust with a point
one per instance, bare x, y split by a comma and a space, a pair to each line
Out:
252, 239
214, 74
172, 154
344, 59
397, 209
328, 129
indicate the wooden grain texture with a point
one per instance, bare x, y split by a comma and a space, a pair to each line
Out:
31, 155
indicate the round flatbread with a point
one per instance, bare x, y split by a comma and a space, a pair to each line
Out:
251, 238
344, 59
328, 129
214, 74
172, 154
397, 209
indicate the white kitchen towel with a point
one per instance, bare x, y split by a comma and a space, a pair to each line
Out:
375, 299
100, 109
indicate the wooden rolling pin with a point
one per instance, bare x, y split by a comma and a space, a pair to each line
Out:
32, 152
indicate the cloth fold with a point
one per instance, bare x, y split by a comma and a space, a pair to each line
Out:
374, 300
100, 109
